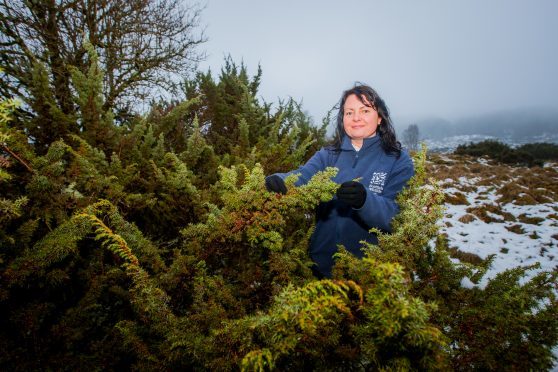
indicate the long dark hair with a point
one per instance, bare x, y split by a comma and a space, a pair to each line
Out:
385, 129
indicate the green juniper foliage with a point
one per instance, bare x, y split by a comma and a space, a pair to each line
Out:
153, 245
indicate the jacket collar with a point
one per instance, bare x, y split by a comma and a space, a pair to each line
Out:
346, 145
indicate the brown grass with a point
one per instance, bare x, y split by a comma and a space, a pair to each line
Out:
520, 185
437, 159
456, 198
465, 256
521, 195
467, 218
490, 174
530, 220
540, 183
443, 172
482, 213
467, 188
518, 229
477, 168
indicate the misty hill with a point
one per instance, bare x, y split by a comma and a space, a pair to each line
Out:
520, 125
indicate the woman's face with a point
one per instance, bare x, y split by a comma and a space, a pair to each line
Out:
360, 120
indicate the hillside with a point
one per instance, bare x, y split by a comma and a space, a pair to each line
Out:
495, 209
513, 127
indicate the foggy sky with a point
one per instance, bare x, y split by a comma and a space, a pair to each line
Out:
445, 58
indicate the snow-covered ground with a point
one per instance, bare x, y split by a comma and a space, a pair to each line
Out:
532, 243
449, 144
480, 221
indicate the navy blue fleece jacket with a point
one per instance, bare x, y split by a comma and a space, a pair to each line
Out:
383, 175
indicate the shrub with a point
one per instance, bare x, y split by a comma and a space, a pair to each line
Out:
541, 151
168, 254
527, 155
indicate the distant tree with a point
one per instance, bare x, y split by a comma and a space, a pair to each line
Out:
411, 137
489, 148
141, 44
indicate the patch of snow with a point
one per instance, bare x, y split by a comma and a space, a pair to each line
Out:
483, 161
534, 245
449, 144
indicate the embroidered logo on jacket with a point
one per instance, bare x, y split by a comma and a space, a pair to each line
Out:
377, 182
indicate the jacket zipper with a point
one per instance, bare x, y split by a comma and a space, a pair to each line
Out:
356, 160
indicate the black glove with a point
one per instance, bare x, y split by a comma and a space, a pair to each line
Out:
352, 193
274, 183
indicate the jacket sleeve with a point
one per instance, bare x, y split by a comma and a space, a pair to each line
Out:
317, 163
379, 210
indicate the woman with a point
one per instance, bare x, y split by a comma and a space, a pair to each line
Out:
366, 149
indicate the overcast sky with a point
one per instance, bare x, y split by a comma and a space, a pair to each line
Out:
445, 58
